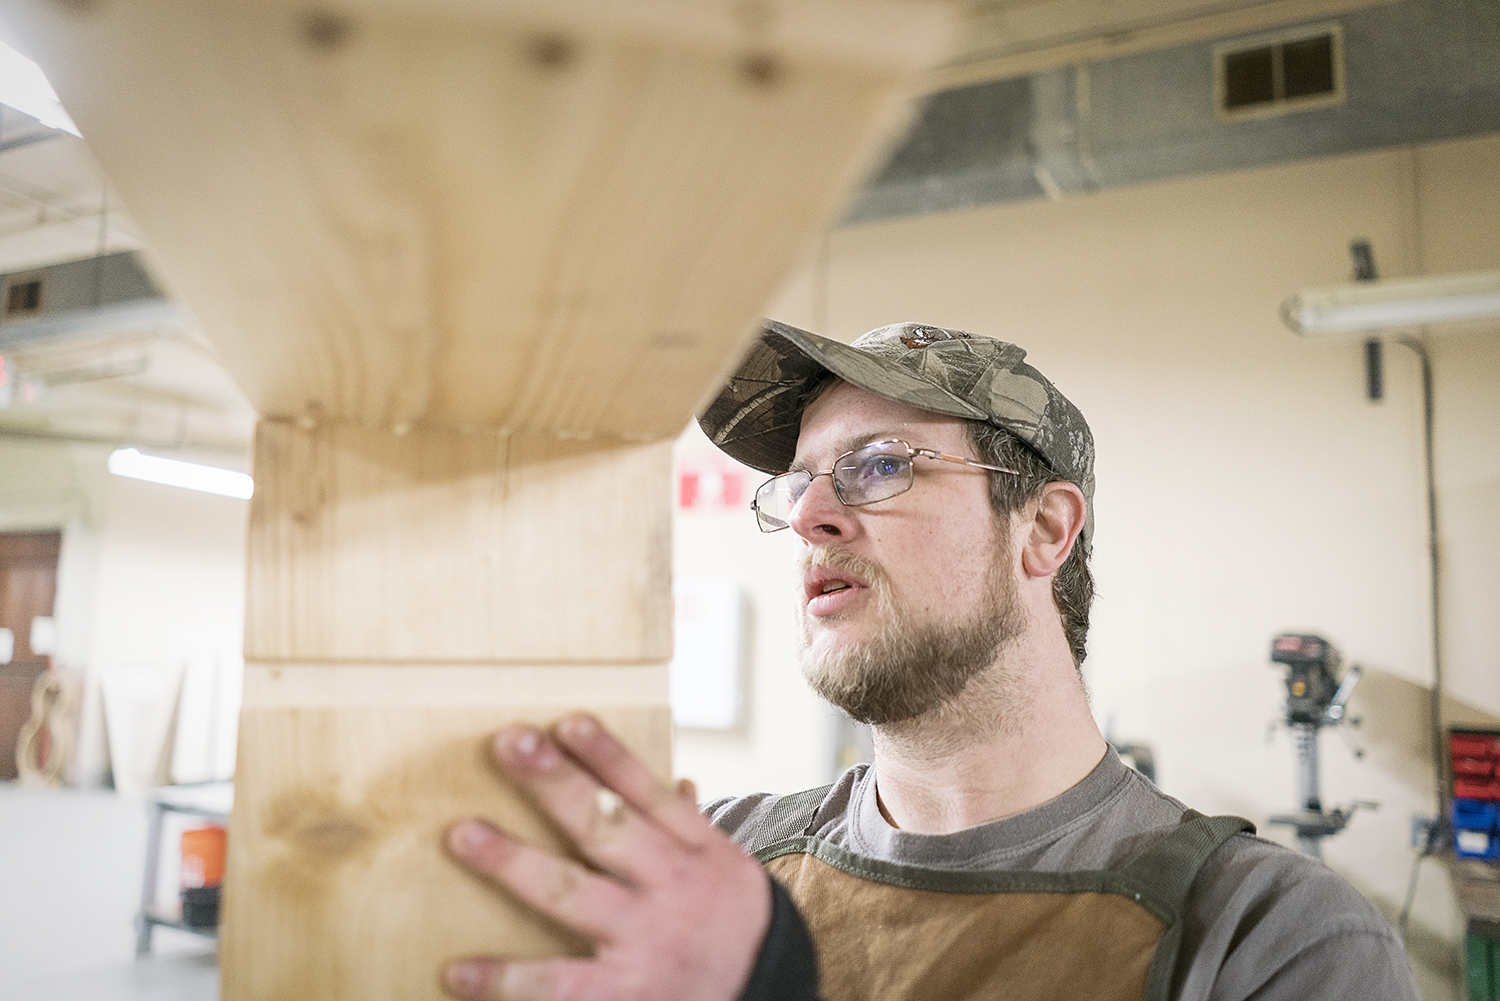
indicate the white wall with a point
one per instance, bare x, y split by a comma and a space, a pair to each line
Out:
785, 740
150, 596
1245, 485
169, 608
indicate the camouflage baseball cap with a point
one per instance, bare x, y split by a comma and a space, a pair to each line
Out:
757, 417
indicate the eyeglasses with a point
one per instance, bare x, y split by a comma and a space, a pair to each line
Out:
873, 473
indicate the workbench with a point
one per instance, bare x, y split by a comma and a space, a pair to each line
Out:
1476, 885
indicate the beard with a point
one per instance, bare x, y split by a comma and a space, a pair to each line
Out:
909, 668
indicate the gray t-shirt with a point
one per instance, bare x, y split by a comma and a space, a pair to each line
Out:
1264, 922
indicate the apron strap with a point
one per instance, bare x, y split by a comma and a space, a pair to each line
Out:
789, 817
1169, 867
1167, 871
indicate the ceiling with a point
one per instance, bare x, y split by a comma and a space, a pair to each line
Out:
151, 380
157, 382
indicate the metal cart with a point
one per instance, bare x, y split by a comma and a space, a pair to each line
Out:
210, 801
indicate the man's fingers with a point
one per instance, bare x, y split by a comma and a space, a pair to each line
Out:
609, 833
678, 911
614, 765
478, 979
560, 888
482, 979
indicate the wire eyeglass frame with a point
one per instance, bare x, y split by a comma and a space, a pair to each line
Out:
849, 473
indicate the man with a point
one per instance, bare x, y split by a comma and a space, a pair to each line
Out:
942, 492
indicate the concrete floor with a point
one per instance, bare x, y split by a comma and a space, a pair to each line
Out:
71, 865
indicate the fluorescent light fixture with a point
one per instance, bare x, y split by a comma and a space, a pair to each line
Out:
175, 473
24, 87
1368, 307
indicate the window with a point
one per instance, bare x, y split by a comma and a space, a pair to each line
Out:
1272, 75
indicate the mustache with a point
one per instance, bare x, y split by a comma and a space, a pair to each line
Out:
833, 558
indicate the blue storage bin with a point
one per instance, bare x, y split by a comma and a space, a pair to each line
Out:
1475, 814
1474, 829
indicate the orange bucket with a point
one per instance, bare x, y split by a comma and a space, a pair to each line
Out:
203, 857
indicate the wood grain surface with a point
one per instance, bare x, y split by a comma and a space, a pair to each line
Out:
408, 595
338, 888
444, 546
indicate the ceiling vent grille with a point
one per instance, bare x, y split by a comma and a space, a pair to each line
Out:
23, 296
1275, 74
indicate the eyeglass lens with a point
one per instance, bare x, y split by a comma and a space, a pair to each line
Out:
863, 476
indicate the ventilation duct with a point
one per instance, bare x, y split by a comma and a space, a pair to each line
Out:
1415, 71
95, 296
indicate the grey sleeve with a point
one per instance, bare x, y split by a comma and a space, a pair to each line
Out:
1348, 965
1267, 924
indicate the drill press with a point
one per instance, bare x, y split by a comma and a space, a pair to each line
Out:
1315, 698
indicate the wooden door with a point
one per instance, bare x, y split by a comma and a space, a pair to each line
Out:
28, 586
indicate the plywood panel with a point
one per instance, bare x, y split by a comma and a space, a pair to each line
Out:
529, 216
339, 887
444, 546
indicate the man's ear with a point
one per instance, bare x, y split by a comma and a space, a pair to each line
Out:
1056, 518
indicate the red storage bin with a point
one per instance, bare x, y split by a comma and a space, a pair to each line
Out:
1485, 789
1462, 744
1473, 768
1475, 757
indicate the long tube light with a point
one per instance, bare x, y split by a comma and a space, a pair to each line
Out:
176, 473
1367, 307
24, 87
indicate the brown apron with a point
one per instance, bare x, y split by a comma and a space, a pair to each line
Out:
889, 932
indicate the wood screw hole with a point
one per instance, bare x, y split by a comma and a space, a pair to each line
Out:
325, 30
552, 52
761, 70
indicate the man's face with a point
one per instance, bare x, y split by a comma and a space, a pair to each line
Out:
903, 600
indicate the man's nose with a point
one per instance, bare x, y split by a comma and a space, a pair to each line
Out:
819, 515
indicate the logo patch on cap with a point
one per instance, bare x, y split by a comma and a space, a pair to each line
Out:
923, 337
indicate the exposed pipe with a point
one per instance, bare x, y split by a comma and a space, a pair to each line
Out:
1364, 271
237, 448
1435, 710
1440, 834
30, 139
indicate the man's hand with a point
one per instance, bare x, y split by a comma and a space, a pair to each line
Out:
675, 909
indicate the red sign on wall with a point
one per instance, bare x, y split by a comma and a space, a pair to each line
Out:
705, 483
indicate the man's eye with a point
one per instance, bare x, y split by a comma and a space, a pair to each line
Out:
884, 465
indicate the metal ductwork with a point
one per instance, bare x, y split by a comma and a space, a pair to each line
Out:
96, 296
1414, 71
92, 352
